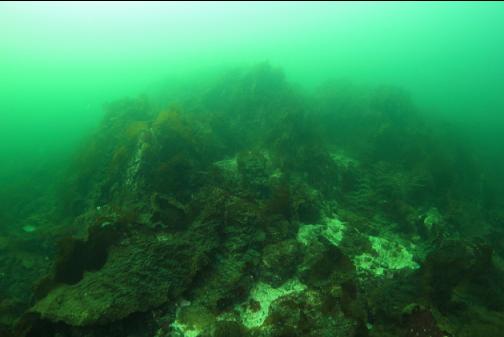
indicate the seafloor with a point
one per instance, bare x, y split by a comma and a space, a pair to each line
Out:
249, 207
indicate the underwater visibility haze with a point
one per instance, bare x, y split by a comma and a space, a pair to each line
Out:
251, 169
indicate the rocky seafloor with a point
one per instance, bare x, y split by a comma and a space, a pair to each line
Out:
249, 207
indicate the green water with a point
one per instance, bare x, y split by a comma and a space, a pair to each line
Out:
62, 64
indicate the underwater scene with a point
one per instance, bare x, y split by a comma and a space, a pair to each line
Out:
251, 169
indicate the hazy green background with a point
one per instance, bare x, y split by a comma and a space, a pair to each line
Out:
59, 62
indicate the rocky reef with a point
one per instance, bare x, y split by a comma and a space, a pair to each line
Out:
252, 208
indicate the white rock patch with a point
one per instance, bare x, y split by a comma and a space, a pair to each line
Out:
332, 229
264, 294
389, 256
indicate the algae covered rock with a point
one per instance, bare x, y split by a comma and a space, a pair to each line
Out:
143, 271
420, 322
388, 256
460, 271
279, 261
229, 329
308, 314
325, 264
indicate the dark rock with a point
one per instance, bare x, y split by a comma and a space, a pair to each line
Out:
325, 264
280, 261
302, 314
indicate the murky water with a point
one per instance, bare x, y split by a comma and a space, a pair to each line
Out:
251, 169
